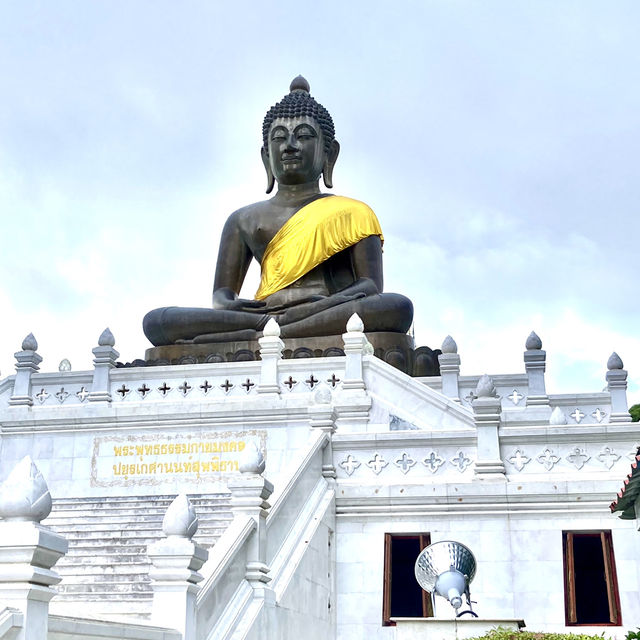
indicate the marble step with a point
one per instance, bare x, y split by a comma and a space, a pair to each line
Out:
108, 539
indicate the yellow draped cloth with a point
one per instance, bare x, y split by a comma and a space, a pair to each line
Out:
316, 232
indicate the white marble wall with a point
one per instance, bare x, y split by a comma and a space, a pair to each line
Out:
519, 575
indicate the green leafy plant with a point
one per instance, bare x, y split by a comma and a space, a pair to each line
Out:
635, 417
501, 633
634, 635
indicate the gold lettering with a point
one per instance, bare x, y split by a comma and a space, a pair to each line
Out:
139, 450
241, 445
117, 450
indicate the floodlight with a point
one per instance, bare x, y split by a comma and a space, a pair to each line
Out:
446, 568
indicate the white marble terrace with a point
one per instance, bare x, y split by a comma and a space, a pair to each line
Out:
295, 471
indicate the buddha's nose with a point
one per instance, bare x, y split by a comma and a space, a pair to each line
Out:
292, 142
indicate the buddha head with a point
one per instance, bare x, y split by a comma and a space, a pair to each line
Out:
298, 138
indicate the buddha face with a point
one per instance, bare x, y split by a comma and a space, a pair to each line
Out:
296, 150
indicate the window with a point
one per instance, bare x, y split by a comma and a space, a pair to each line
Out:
591, 589
402, 596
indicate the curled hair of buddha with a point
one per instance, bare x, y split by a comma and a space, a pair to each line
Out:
300, 103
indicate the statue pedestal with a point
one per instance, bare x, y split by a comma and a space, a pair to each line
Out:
395, 348
454, 629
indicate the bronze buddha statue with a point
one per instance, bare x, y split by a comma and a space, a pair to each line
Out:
320, 255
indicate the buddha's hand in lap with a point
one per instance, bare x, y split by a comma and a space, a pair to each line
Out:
225, 299
307, 309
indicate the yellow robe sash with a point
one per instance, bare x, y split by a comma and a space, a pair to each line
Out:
316, 232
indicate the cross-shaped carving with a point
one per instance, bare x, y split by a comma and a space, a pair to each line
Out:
608, 457
349, 464
247, 384
312, 382
290, 382
205, 387
460, 461
547, 459
333, 381
515, 397
143, 390
577, 415
518, 459
599, 414
226, 386
470, 397
433, 462
62, 395
164, 389
404, 462
42, 396
377, 463
123, 391
82, 394
184, 388
578, 457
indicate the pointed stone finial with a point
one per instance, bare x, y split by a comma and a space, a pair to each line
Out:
355, 324
64, 365
180, 519
106, 339
24, 495
558, 417
299, 83
251, 459
614, 362
485, 387
322, 396
533, 342
272, 329
449, 345
30, 343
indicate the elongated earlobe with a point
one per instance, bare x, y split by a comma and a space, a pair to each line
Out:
267, 167
329, 163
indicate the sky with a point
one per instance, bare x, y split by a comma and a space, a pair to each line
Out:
497, 142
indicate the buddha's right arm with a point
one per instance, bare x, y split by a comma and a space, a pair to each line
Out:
234, 257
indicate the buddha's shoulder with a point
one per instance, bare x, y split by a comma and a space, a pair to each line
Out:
249, 213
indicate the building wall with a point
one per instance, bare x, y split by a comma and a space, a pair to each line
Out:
519, 567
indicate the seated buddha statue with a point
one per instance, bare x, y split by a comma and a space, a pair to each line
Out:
320, 255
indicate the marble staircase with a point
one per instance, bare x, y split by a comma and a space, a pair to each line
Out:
108, 538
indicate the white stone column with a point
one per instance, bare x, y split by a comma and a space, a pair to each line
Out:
271, 347
249, 495
617, 388
322, 417
355, 344
105, 357
27, 363
28, 549
175, 561
486, 415
535, 365
450, 368
352, 403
